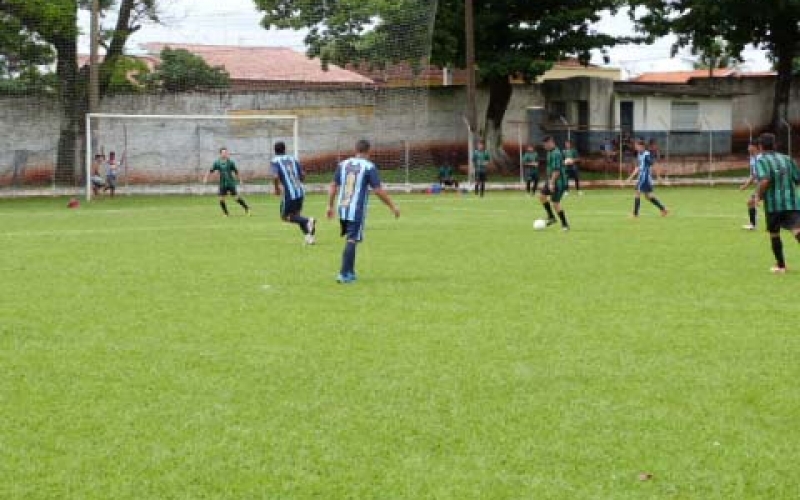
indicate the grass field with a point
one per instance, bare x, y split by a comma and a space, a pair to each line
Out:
152, 349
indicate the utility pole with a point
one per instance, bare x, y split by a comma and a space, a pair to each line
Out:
94, 76
469, 27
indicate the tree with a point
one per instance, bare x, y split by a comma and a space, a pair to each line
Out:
55, 23
21, 60
513, 38
774, 26
180, 70
715, 56
129, 75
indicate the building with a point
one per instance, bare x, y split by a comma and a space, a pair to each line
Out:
404, 75
689, 110
265, 68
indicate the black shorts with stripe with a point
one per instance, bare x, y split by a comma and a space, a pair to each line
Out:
786, 219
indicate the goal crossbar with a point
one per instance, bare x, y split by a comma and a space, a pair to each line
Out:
248, 117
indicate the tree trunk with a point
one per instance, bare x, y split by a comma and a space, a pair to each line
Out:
73, 106
500, 91
784, 52
122, 32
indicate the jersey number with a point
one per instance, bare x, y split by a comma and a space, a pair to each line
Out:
349, 186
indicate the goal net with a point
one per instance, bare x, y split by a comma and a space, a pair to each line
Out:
170, 154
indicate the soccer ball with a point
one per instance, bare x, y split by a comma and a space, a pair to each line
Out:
539, 224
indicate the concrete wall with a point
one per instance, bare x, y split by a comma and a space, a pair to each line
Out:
404, 125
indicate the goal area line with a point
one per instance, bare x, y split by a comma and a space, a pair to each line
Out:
199, 189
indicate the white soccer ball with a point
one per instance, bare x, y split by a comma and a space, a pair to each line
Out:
539, 224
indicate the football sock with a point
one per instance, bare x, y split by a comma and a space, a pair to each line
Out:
657, 203
637, 202
752, 213
777, 249
300, 221
349, 258
797, 237
224, 206
483, 188
549, 210
577, 183
535, 185
563, 217
241, 202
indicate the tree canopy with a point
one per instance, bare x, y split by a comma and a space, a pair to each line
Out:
774, 26
513, 38
180, 70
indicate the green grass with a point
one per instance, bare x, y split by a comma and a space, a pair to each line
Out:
151, 348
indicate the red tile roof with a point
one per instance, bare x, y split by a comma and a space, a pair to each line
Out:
683, 77
271, 65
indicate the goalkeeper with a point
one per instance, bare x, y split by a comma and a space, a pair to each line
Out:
228, 178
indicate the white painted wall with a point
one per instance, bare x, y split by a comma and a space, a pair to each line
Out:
655, 112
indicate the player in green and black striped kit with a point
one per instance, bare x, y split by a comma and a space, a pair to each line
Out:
228, 179
530, 161
778, 176
571, 160
480, 159
555, 185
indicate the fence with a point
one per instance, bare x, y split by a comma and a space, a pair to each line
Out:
608, 154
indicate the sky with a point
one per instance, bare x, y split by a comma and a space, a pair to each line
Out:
236, 22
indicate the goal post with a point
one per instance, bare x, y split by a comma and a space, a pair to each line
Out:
168, 154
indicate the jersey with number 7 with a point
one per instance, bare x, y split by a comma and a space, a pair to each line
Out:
355, 177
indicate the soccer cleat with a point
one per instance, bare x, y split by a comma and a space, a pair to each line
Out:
346, 278
749, 227
664, 212
778, 270
309, 239
550, 222
565, 229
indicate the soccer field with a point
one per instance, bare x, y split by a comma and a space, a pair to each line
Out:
151, 348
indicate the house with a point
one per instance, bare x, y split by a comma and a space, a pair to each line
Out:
265, 68
687, 109
404, 75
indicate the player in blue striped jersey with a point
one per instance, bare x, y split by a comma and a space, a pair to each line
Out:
288, 177
352, 183
752, 207
644, 184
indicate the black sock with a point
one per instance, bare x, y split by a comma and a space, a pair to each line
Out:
563, 217
549, 210
300, 221
483, 188
224, 206
535, 185
349, 258
777, 250
577, 183
657, 203
241, 202
797, 237
637, 202
751, 211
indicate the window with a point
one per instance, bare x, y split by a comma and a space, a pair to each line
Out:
557, 110
685, 115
